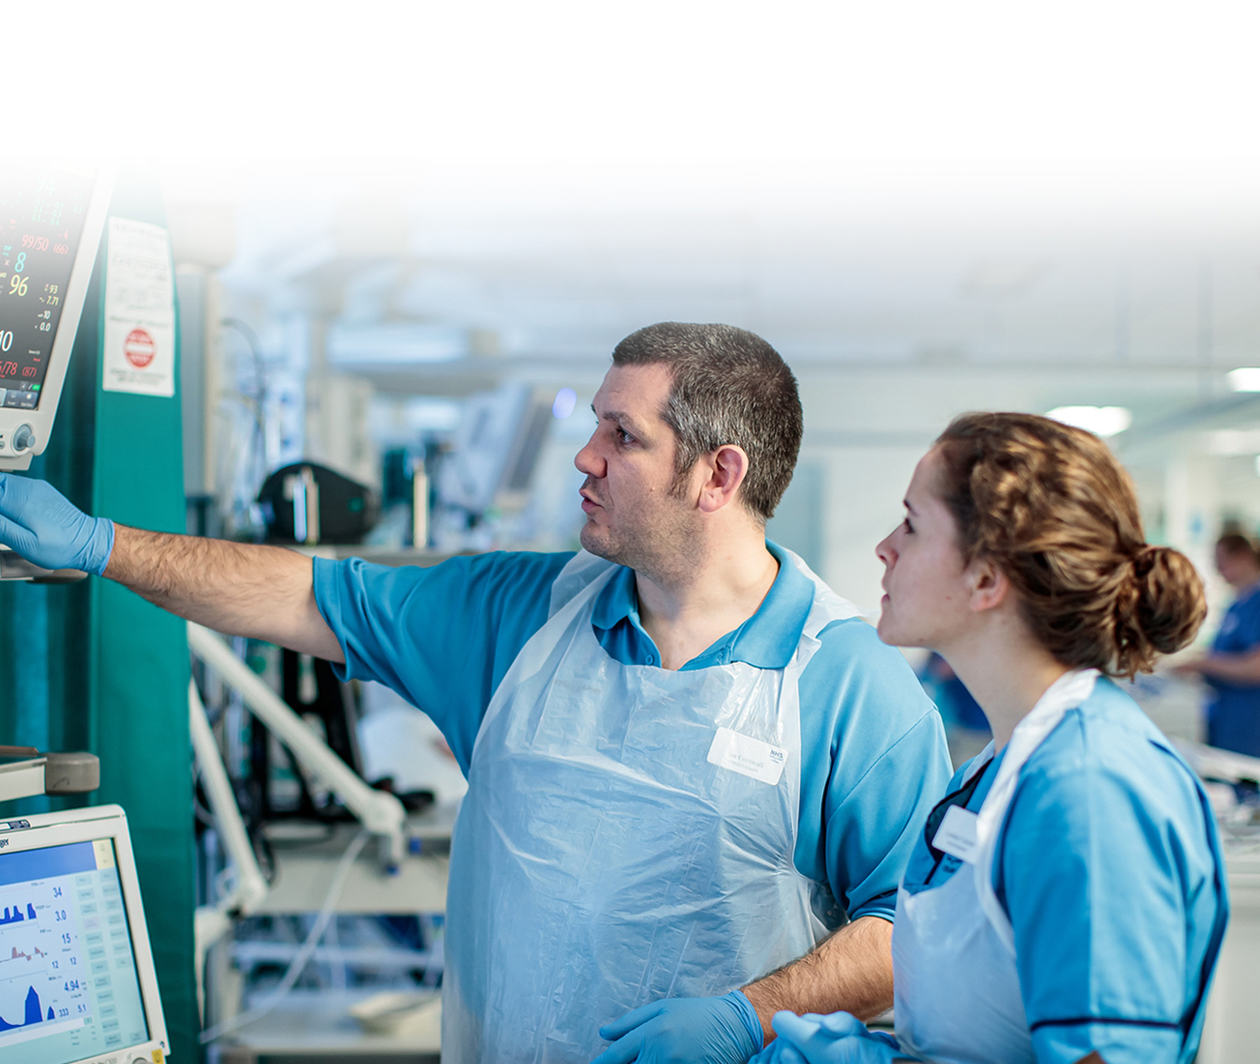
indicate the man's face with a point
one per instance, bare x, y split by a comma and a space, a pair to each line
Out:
633, 514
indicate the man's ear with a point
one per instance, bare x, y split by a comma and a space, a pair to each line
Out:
988, 585
724, 471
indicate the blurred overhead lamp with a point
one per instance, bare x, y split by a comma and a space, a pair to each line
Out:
394, 343
1244, 379
1231, 443
564, 403
1101, 420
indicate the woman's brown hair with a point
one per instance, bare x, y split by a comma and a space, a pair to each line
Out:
1053, 509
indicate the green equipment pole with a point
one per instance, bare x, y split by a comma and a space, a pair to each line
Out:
90, 666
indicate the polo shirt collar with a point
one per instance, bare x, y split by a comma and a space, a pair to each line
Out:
767, 640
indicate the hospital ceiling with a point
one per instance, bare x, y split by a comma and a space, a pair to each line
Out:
926, 207
898, 302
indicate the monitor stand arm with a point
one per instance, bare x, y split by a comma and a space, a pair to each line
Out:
36, 773
14, 567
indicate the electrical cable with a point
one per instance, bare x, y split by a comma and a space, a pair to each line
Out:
304, 951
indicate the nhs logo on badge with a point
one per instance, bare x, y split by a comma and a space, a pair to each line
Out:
748, 756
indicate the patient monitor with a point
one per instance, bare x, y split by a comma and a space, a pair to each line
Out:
50, 231
77, 982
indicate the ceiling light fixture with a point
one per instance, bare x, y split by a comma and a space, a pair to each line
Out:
1102, 420
1244, 379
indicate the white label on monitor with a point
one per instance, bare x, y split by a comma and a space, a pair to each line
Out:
139, 344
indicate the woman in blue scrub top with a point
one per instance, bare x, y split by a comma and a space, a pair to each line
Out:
1232, 667
1066, 900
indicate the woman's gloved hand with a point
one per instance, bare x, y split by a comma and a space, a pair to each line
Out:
836, 1039
710, 1030
41, 524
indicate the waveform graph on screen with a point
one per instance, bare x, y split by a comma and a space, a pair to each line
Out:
32, 1013
42, 984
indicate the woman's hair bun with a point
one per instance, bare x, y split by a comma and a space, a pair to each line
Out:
1170, 604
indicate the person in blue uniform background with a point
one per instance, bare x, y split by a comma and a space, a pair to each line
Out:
695, 774
966, 729
1232, 667
1065, 902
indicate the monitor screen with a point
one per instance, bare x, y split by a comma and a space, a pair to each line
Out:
51, 225
76, 979
495, 448
41, 224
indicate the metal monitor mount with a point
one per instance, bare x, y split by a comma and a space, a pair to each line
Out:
25, 772
14, 567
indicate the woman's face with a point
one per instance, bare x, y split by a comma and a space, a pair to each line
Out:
1236, 568
926, 593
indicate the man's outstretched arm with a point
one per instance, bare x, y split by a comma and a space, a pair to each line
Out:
242, 589
239, 588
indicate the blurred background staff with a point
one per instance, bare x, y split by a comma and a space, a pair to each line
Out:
1232, 667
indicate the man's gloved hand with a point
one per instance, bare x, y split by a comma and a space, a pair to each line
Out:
38, 522
836, 1039
685, 1031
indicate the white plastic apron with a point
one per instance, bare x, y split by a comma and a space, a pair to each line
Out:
600, 860
956, 986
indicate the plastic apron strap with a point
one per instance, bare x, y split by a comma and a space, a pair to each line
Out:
1069, 691
976, 1013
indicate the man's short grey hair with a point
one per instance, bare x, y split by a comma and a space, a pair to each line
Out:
728, 387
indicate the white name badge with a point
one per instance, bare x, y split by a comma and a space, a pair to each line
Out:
747, 756
957, 833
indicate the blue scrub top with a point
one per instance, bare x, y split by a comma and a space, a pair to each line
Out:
1109, 868
874, 757
1233, 713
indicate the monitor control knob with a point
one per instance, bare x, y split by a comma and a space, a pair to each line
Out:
23, 438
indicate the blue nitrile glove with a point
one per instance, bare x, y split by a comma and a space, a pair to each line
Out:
778, 1052
38, 522
836, 1039
721, 1030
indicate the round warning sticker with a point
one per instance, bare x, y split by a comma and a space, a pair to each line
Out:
139, 348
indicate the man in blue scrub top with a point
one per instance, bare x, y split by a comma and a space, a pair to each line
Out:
1232, 667
695, 774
